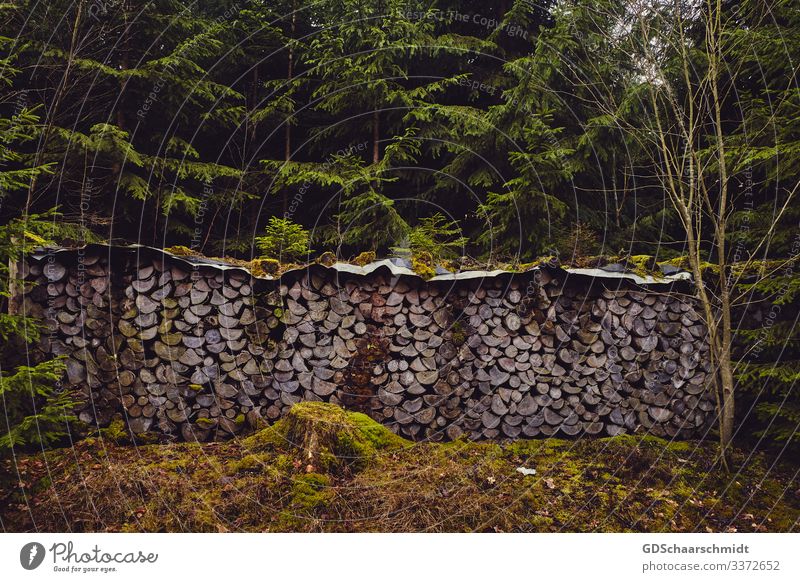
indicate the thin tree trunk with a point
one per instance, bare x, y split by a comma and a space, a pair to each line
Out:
503, 8
13, 271
727, 408
614, 187
54, 107
288, 131
376, 135
125, 65
14, 294
289, 76
126, 49
254, 100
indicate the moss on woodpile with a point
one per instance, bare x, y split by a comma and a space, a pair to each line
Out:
364, 258
362, 477
424, 265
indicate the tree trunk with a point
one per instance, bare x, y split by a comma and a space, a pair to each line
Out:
54, 107
254, 100
288, 132
125, 65
726, 421
126, 44
376, 134
727, 408
13, 287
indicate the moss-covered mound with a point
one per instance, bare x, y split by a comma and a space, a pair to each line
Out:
326, 469
326, 438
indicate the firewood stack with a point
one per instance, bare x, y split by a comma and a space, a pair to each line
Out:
200, 352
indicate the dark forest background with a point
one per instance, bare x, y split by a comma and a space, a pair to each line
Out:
193, 123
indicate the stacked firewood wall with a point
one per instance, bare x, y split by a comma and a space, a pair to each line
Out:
200, 352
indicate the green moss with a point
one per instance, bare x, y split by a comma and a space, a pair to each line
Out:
377, 435
548, 261
264, 267
422, 264
285, 464
326, 437
251, 464
43, 484
364, 258
240, 418
311, 491
624, 483
116, 432
522, 267
682, 262
742, 270
539, 447
541, 523
680, 446
265, 439
310, 495
628, 441
147, 438
458, 333
682, 489
327, 258
182, 251
643, 265
205, 423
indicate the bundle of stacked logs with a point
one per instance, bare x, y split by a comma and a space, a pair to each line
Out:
202, 351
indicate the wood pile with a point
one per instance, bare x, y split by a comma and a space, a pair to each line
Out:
201, 352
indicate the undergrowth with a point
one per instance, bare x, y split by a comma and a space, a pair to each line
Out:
325, 469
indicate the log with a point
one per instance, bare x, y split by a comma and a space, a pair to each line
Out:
490, 420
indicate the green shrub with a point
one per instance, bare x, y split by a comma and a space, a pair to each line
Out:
767, 353
35, 411
437, 236
577, 243
284, 241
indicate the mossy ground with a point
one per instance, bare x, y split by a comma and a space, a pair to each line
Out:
364, 478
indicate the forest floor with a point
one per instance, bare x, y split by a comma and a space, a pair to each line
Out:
324, 469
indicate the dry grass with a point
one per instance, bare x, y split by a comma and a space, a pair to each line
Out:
264, 483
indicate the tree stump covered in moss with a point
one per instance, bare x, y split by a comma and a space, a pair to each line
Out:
327, 438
